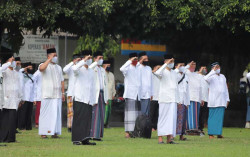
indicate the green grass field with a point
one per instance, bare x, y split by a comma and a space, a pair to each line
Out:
236, 143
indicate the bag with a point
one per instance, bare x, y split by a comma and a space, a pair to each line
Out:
143, 126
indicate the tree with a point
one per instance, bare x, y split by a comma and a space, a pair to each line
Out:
108, 45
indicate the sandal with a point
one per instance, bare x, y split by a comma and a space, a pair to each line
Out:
161, 142
172, 142
184, 139
44, 136
220, 136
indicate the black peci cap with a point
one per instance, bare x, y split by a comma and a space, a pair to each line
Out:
51, 50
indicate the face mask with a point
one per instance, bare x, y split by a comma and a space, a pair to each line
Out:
18, 67
204, 72
108, 69
145, 63
134, 62
100, 62
54, 60
89, 62
171, 65
181, 69
13, 64
217, 71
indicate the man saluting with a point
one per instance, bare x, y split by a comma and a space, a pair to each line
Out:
218, 100
50, 122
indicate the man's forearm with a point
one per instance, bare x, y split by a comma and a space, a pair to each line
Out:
44, 65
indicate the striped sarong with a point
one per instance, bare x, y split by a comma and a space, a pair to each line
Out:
130, 114
193, 116
98, 115
215, 120
181, 119
69, 112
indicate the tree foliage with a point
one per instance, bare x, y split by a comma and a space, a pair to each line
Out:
108, 45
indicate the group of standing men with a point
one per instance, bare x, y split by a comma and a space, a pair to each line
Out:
177, 98
90, 88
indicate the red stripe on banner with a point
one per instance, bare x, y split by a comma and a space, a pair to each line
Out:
130, 41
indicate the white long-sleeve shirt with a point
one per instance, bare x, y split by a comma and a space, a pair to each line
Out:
111, 85
4, 66
28, 93
156, 87
68, 70
85, 83
132, 81
205, 89
52, 79
168, 92
184, 89
248, 76
101, 81
146, 90
37, 77
218, 90
11, 87
195, 86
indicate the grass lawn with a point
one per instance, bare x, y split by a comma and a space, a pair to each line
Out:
236, 143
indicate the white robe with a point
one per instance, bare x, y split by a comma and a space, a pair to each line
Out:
167, 119
50, 119
168, 99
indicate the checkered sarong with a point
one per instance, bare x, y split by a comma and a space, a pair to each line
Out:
130, 114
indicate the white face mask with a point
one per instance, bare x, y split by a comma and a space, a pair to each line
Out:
171, 65
54, 60
181, 69
100, 62
217, 71
18, 68
13, 64
89, 62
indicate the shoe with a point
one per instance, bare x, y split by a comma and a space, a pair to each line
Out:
54, 136
184, 139
88, 143
202, 134
17, 132
3, 145
77, 143
220, 136
172, 142
69, 130
97, 139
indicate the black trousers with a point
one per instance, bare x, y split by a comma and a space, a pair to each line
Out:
81, 121
24, 116
203, 116
154, 113
8, 125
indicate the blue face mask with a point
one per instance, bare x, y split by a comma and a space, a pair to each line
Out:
108, 68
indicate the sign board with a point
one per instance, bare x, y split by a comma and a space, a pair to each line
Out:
35, 48
152, 48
